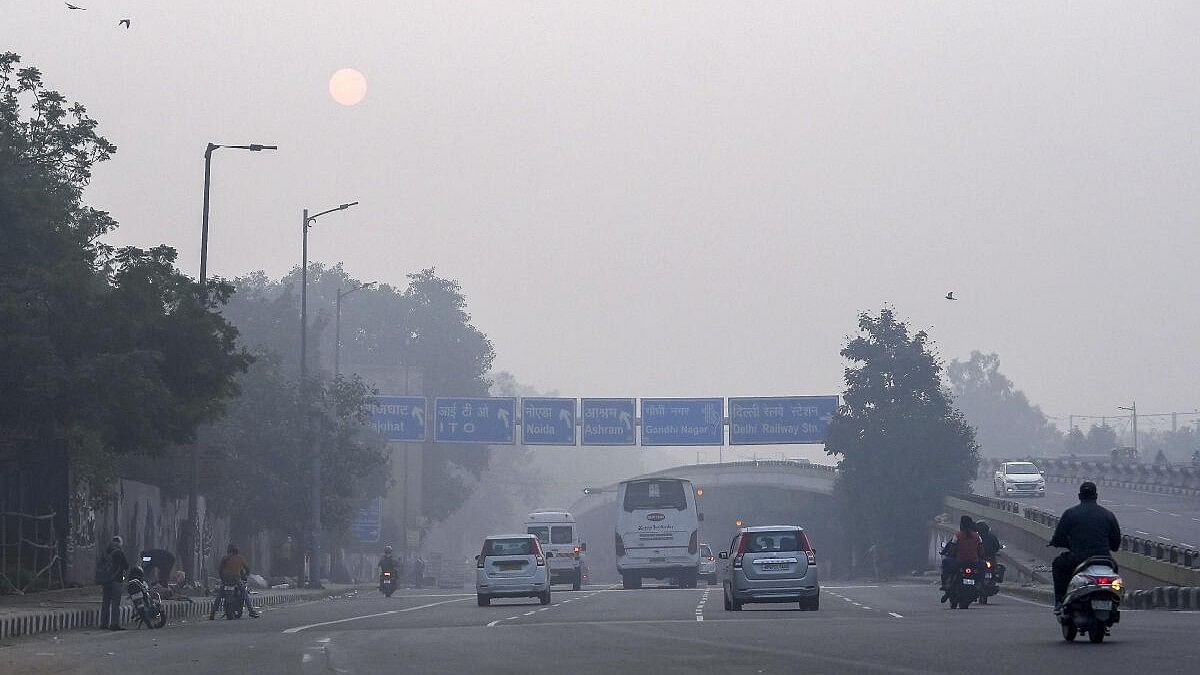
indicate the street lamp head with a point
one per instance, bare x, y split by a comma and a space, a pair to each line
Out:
257, 147
343, 207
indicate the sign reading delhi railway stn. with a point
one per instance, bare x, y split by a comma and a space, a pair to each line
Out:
548, 421
398, 418
475, 420
780, 420
683, 421
608, 421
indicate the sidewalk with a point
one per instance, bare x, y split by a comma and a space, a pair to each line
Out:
76, 608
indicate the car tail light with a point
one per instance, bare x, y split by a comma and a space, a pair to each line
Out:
578, 551
620, 544
541, 559
694, 542
737, 558
808, 549
968, 570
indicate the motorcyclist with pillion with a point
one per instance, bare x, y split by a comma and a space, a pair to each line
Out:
1086, 530
965, 547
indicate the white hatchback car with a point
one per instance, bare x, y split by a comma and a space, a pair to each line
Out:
511, 566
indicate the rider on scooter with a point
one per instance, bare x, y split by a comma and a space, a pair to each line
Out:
1086, 530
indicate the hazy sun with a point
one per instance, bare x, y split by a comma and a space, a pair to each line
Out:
348, 86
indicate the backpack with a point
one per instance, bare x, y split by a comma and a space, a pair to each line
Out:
105, 570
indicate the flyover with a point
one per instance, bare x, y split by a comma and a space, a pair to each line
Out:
753, 492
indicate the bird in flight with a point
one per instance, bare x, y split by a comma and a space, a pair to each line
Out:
124, 22
70, 6
950, 296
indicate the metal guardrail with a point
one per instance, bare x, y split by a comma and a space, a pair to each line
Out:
1178, 555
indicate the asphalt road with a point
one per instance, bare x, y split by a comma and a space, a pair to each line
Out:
890, 628
1171, 519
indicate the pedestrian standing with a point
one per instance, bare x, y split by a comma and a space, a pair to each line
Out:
110, 574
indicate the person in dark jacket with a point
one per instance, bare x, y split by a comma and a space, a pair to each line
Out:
965, 547
113, 587
1085, 530
991, 544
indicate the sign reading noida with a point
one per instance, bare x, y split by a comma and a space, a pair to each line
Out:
609, 421
780, 420
683, 421
548, 421
475, 420
398, 418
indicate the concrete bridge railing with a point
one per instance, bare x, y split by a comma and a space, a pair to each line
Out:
1180, 480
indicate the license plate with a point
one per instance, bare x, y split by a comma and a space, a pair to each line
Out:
230, 588
968, 582
658, 560
1105, 605
509, 566
774, 567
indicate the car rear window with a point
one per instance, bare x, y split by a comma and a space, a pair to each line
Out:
541, 532
560, 534
520, 546
766, 542
655, 494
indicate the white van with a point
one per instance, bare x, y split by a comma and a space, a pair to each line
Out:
559, 536
657, 531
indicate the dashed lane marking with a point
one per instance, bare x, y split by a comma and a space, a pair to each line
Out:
297, 629
1141, 532
898, 616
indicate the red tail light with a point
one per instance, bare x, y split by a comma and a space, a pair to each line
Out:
808, 549
694, 542
1103, 581
737, 558
482, 555
620, 545
968, 570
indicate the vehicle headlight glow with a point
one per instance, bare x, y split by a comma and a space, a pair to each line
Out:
1116, 584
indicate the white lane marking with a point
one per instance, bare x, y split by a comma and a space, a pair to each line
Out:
898, 616
1028, 602
856, 604
1141, 532
306, 658
297, 629
1175, 514
845, 588
492, 624
1153, 510
1196, 519
1163, 538
530, 613
324, 640
867, 608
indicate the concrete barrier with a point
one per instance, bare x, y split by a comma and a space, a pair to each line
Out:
1165, 597
33, 622
1177, 480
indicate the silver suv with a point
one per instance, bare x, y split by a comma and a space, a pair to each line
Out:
511, 566
770, 563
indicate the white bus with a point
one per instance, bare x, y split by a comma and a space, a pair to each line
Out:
559, 536
657, 532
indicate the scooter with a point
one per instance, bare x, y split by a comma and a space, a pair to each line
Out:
964, 587
1093, 600
387, 583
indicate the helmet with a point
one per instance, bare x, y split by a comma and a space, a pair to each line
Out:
136, 572
231, 549
387, 550
982, 527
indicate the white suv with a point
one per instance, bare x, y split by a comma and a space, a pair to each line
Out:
1019, 478
511, 566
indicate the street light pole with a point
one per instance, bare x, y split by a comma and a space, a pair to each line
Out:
337, 327
306, 407
194, 492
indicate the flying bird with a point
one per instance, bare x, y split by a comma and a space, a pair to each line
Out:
70, 6
124, 22
950, 296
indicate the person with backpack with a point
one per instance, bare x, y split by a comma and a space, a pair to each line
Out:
110, 574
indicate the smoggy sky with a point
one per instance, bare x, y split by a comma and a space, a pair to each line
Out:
686, 198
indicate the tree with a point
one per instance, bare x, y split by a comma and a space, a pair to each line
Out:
1076, 442
1006, 424
104, 351
901, 443
1101, 438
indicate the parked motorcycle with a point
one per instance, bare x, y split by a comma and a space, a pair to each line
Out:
1093, 600
964, 586
387, 583
147, 604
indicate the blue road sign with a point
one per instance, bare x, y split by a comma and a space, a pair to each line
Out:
780, 420
609, 421
683, 421
398, 418
475, 420
366, 523
548, 421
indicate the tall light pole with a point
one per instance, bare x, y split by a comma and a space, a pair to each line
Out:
194, 492
1133, 422
337, 327
314, 564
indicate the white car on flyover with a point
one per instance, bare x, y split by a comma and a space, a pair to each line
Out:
1015, 479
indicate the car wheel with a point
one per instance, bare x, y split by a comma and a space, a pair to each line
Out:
578, 582
811, 604
544, 598
483, 600
631, 581
737, 604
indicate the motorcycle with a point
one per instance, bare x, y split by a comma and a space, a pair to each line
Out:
1093, 600
147, 604
387, 583
993, 576
964, 586
232, 598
